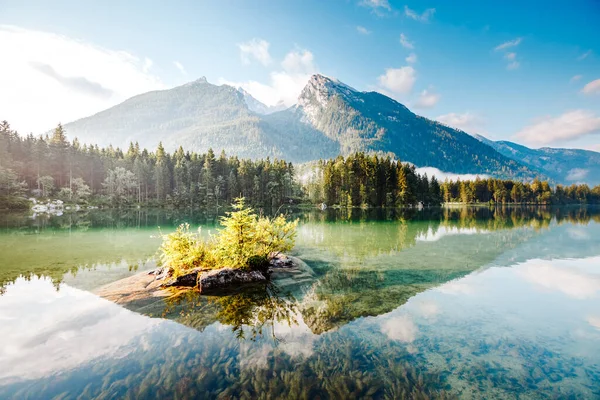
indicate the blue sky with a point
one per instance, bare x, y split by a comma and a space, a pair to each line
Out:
523, 71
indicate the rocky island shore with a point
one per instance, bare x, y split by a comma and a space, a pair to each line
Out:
148, 286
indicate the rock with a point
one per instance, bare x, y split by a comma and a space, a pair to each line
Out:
215, 279
188, 280
226, 277
140, 289
148, 290
281, 261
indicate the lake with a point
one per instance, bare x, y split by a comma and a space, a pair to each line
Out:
470, 303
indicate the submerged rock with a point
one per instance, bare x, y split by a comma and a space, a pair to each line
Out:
281, 261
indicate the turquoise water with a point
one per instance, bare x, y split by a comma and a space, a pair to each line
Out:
454, 303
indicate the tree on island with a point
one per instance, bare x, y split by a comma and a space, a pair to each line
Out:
247, 241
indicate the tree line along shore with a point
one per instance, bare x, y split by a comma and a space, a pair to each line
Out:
51, 167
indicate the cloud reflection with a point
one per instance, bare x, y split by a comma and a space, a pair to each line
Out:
45, 331
401, 328
574, 278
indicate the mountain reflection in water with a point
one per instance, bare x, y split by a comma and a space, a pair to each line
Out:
470, 303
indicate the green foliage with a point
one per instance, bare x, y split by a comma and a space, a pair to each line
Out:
363, 180
245, 235
184, 250
246, 241
258, 263
11, 190
50, 166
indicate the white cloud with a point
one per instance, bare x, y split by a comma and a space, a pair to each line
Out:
584, 55
52, 78
412, 58
257, 49
442, 176
148, 63
299, 61
513, 65
398, 80
570, 277
594, 321
180, 67
47, 332
401, 328
376, 4
511, 57
458, 287
593, 147
428, 308
285, 85
443, 231
427, 99
362, 30
576, 78
577, 174
570, 125
509, 44
468, 122
405, 42
424, 17
592, 87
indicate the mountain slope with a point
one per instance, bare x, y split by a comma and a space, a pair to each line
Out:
259, 107
370, 121
565, 166
330, 118
197, 116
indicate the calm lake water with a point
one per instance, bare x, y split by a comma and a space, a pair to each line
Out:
453, 303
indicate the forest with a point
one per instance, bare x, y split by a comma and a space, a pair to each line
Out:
362, 180
52, 167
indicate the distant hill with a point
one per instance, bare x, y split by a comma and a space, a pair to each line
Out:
330, 118
565, 166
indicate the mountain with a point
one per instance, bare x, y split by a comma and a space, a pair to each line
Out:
565, 166
259, 107
330, 118
197, 116
370, 121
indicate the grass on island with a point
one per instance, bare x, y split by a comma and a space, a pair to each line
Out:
247, 241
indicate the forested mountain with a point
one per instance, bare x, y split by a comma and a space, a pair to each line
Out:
329, 119
370, 121
200, 116
561, 165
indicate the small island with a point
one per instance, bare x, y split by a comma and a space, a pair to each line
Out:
245, 251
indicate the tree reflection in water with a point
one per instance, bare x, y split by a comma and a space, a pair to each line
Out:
250, 313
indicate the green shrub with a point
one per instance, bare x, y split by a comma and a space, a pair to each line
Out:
246, 241
184, 250
246, 235
258, 263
